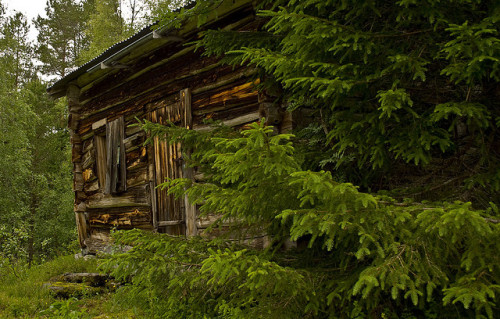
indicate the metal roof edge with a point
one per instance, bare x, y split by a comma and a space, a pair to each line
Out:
57, 89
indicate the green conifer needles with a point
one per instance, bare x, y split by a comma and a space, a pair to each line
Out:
398, 84
365, 251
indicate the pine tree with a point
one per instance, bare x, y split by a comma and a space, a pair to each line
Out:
17, 50
61, 36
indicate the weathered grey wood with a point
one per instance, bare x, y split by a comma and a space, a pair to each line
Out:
81, 225
116, 169
109, 202
206, 221
190, 209
225, 80
101, 159
137, 178
247, 118
154, 83
167, 162
170, 223
91, 187
88, 159
99, 124
154, 205
134, 141
131, 130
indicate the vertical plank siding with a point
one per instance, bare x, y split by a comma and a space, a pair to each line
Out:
168, 165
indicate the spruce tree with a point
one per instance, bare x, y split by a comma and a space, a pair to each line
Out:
398, 89
406, 97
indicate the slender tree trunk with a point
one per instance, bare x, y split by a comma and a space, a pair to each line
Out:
31, 224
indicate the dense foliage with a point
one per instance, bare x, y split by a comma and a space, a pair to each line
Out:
366, 253
36, 200
36, 219
406, 101
401, 88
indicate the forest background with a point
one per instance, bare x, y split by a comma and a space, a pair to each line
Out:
405, 99
36, 201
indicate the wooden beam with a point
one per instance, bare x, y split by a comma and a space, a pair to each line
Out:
170, 38
247, 118
112, 202
187, 122
154, 204
170, 223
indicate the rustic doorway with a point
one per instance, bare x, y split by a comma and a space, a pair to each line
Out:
172, 216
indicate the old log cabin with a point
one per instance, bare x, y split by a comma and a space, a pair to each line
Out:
154, 75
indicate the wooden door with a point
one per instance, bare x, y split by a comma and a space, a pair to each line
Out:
171, 213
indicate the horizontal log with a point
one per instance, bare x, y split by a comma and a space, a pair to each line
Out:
237, 75
133, 218
154, 51
131, 103
134, 141
230, 94
137, 165
131, 130
247, 118
99, 124
207, 220
170, 223
108, 201
88, 134
230, 112
171, 73
146, 63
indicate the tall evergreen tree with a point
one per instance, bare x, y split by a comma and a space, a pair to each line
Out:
106, 27
15, 124
17, 49
61, 35
50, 221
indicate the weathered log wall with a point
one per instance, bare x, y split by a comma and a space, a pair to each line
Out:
152, 86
